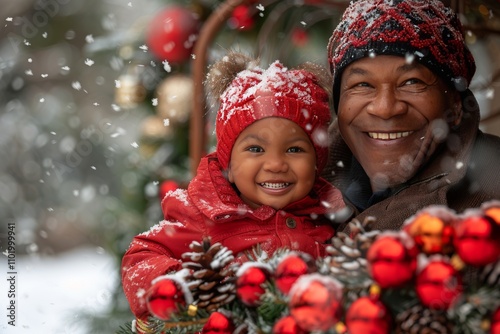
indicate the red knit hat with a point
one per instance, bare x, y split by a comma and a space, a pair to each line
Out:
276, 92
423, 29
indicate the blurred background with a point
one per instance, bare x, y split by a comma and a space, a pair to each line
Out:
96, 107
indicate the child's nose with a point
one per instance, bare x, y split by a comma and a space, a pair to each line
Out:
276, 163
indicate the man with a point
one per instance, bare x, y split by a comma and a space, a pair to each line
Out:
407, 134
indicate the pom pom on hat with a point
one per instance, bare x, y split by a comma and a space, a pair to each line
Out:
249, 93
423, 29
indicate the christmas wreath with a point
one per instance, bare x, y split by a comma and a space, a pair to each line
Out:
439, 274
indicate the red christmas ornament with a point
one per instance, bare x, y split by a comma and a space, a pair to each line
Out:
242, 18
218, 323
299, 37
495, 322
476, 240
163, 298
172, 34
250, 285
167, 186
438, 285
432, 233
289, 270
392, 260
368, 315
287, 325
315, 302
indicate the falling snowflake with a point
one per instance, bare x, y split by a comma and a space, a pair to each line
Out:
134, 145
143, 48
89, 62
9, 19
89, 39
166, 122
76, 85
154, 102
28, 72
44, 35
166, 66
44, 75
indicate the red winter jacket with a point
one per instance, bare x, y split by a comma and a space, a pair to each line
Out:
211, 207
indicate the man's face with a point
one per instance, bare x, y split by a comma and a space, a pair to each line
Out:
392, 114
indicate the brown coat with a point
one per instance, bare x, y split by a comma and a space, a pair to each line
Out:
463, 173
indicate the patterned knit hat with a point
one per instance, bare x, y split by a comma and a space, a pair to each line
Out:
423, 29
255, 94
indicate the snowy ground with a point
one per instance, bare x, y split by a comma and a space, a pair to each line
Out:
52, 290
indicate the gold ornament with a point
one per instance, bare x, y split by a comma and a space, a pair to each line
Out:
175, 98
153, 128
129, 91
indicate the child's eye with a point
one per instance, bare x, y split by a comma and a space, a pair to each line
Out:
255, 149
295, 149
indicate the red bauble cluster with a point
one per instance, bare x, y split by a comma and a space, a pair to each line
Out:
250, 284
164, 297
290, 269
392, 260
172, 34
315, 302
438, 284
477, 240
218, 323
368, 315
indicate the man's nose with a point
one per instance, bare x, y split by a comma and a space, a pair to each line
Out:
386, 104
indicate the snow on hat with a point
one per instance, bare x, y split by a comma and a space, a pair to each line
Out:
255, 94
423, 29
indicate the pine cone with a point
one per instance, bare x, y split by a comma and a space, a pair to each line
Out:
212, 277
346, 256
421, 320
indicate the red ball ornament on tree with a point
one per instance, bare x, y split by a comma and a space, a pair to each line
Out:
166, 186
218, 323
163, 298
495, 322
315, 302
250, 284
476, 240
287, 325
289, 270
299, 37
432, 230
368, 315
392, 260
242, 18
438, 285
172, 34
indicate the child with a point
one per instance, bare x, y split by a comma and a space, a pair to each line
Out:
260, 186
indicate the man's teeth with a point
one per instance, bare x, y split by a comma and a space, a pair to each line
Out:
388, 135
274, 185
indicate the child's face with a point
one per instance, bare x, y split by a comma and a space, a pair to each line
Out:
273, 163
